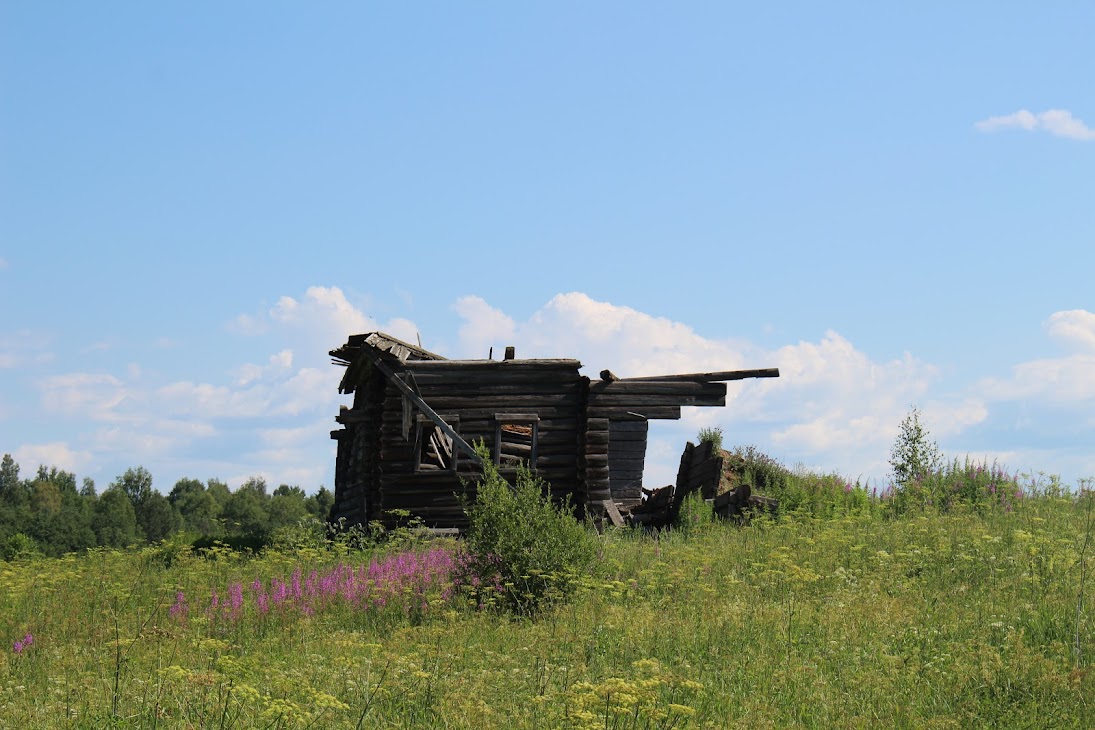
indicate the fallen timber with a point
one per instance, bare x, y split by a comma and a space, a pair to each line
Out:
701, 470
406, 444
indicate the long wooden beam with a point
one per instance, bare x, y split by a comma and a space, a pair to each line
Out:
423, 406
707, 377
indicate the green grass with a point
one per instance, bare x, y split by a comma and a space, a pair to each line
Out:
962, 618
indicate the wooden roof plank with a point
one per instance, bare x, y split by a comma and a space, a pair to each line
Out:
706, 377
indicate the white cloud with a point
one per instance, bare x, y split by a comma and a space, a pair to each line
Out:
833, 405
276, 364
85, 395
1058, 122
1075, 327
4, 264
133, 415
325, 312
484, 327
58, 454
289, 438
1067, 382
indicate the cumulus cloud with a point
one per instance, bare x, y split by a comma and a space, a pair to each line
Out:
1067, 381
143, 417
1063, 381
1075, 327
484, 327
1058, 122
59, 454
277, 363
833, 406
324, 312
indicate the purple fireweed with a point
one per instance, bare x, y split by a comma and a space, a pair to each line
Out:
179, 609
21, 645
402, 580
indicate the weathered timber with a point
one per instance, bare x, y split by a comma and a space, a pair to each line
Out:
640, 403
622, 388
425, 408
611, 511
667, 413
473, 365
723, 375
407, 441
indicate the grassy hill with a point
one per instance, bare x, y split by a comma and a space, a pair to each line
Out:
869, 616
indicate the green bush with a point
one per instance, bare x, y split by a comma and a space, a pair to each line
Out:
19, 547
712, 434
524, 552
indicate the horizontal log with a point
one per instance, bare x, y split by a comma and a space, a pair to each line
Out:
432, 387
627, 447
481, 412
637, 403
600, 390
499, 365
488, 423
628, 439
721, 376
501, 402
629, 427
625, 465
596, 437
671, 413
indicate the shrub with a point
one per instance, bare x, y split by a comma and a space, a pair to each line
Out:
19, 547
524, 552
763, 473
713, 435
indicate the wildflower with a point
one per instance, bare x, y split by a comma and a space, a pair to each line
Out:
179, 609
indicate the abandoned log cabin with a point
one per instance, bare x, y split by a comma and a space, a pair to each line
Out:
405, 447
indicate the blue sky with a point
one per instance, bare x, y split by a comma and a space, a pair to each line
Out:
199, 200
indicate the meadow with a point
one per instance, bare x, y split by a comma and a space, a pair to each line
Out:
859, 615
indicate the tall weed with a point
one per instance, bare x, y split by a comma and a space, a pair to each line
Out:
523, 551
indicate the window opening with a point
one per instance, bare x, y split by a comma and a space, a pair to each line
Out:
515, 439
434, 449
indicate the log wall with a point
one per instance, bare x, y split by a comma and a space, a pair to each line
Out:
357, 465
470, 394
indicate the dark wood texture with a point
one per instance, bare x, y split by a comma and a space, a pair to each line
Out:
414, 410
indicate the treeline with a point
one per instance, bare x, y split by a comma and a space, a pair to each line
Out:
51, 514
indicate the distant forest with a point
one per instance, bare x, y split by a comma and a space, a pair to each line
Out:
50, 514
